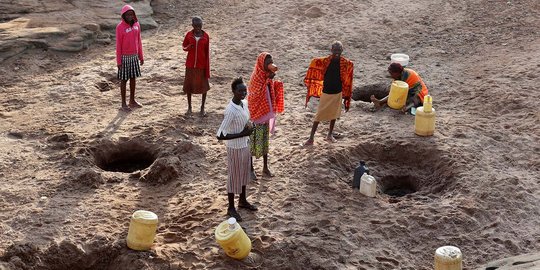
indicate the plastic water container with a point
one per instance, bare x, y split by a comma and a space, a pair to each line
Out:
142, 230
233, 239
398, 94
401, 58
424, 120
368, 185
358, 172
448, 258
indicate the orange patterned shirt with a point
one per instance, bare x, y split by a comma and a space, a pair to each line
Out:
314, 79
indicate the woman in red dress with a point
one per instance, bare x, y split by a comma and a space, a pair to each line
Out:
197, 44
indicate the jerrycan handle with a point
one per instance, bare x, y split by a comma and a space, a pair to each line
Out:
368, 178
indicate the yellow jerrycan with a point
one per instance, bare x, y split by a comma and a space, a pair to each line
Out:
142, 230
398, 94
233, 239
424, 121
448, 258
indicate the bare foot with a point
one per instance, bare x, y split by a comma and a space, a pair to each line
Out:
135, 104
331, 139
189, 112
376, 102
202, 113
309, 142
125, 108
267, 173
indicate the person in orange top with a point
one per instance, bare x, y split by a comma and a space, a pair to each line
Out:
417, 87
329, 78
265, 101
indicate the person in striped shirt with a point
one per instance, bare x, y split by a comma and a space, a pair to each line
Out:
235, 130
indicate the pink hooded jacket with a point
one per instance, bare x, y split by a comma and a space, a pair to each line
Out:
128, 38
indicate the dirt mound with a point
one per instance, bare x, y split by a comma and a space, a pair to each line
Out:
101, 253
87, 178
163, 170
313, 12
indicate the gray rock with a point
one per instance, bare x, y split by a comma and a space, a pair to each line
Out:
63, 25
521, 262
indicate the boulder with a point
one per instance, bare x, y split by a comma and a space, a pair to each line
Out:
521, 262
61, 25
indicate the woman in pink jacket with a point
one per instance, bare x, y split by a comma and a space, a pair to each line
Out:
128, 54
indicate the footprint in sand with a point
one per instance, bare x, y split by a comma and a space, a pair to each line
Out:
313, 12
387, 260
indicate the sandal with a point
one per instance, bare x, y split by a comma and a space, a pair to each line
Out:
231, 212
248, 206
253, 176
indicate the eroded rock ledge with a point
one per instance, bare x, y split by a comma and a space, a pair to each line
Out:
63, 25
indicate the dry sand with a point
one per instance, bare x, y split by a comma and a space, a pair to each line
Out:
477, 178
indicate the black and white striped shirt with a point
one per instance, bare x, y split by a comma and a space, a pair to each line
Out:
235, 120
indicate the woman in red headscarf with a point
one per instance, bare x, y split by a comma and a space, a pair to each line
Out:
265, 101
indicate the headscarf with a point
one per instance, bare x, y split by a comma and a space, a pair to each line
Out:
395, 68
257, 95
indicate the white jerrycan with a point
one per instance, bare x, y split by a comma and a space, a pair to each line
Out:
368, 185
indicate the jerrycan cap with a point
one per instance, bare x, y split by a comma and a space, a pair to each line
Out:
232, 223
448, 252
145, 217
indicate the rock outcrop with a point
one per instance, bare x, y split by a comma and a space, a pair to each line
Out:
521, 262
63, 25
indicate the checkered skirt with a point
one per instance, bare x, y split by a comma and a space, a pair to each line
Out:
130, 67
